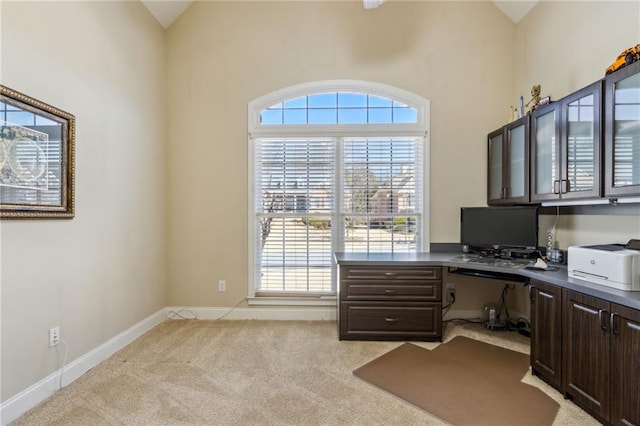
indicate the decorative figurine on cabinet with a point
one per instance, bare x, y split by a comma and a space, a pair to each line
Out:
535, 98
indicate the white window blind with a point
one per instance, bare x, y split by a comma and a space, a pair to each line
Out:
381, 194
294, 188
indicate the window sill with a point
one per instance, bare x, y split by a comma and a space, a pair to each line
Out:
292, 301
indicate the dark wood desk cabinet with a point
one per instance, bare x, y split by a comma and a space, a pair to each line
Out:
546, 332
390, 302
587, 348
600, 357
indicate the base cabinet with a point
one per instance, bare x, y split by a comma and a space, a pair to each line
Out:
390, 303
586, 353
594, 360
546, 332
625, 366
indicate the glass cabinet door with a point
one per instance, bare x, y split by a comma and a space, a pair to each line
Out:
495, 178
545, 153
508, 180
581, 143
518, 161
622, 131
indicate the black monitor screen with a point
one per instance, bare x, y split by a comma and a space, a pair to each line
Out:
505, 227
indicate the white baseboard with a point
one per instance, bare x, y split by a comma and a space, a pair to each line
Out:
254, 313
22, 402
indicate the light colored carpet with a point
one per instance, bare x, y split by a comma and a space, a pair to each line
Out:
196, 372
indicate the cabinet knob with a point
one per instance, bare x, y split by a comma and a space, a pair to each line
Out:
390, 274
389, 291
388, 319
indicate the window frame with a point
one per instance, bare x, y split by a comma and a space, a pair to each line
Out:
338, 132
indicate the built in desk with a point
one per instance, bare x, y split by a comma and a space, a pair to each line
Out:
584, 337
375, 288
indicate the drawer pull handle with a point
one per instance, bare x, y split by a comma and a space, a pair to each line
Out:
614, 323
390, 274
387, 319
389, 291
602, 314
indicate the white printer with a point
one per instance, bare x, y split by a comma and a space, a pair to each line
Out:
611, 265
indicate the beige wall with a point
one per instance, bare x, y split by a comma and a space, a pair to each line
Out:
223, 55
564, 46
100, 273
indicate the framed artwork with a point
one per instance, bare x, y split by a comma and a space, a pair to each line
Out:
37, 167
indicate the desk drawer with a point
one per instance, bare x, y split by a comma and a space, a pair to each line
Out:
390, 321
390, 273
385, 290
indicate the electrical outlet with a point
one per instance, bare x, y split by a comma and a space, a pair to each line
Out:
222, 285
451, 293
54, 336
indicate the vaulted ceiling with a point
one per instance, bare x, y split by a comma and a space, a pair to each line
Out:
168, 11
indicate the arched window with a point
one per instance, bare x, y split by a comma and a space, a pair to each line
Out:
328, 108
334, 166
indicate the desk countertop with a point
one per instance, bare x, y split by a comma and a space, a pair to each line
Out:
557, 276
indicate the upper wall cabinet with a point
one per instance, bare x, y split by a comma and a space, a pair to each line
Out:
508, 168
566, 147
622, 132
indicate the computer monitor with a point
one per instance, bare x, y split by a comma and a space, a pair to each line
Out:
497, 228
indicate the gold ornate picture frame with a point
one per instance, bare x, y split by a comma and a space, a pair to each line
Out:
37, 163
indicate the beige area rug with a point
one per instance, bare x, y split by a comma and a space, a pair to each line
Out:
463, 381
196, 372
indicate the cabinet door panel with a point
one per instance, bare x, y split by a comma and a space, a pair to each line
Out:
546, 332
508, 165
586, 352
517, 161
581, 143
496, 168
545, 153
622, 131
625, 366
